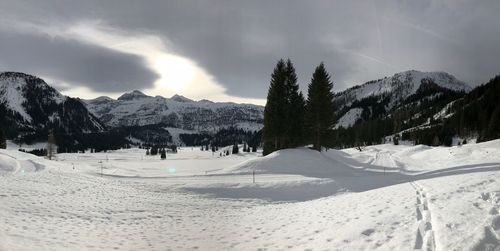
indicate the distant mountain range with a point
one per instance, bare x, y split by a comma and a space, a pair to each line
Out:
405, 101
137, 109
30, 108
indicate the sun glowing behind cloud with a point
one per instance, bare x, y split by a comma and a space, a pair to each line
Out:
178, 74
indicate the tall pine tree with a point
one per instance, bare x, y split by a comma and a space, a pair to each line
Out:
275, 111
319, 108
295, 135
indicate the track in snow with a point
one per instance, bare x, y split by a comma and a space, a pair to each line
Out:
424, 239
491, 239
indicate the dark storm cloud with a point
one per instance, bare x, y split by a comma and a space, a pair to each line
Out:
73, 62
240, 41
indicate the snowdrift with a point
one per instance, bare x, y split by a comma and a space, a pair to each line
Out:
301, 161
15, 162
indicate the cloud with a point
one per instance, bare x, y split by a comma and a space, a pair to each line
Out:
73, 61
230, 47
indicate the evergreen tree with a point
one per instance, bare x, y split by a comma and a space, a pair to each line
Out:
154, 150
395, 140
163, 154
3, 141
275, 110
254, 148
285, 109
295, 109
319, 106
235, 148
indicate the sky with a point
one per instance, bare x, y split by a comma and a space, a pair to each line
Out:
225, 50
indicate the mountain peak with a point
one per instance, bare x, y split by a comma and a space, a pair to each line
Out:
405, 83
34, 106
135, 94
180, 98
440, 78
11, 74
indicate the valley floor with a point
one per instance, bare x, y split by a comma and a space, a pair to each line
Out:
385, 197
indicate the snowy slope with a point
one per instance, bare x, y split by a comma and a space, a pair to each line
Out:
392, 92
402, 85
11, 93
349, 118
301, 200
30, 104
138, 109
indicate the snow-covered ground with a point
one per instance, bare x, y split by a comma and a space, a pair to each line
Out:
386, 197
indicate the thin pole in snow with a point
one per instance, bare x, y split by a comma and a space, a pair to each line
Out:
253, 174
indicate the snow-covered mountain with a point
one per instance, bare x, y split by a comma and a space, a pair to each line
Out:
378, 97
137, 109
28, 105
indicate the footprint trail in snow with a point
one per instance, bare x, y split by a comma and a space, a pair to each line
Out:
424, 239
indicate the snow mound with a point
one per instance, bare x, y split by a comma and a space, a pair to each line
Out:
301, 161
13, 162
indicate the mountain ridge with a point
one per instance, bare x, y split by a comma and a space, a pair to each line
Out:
391, 92
137, 109
30, 107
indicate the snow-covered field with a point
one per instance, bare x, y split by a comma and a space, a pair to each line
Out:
386, 197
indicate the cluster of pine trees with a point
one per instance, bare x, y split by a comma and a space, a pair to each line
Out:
477, 113
223, 137
418, 109
473, 115
289, 119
